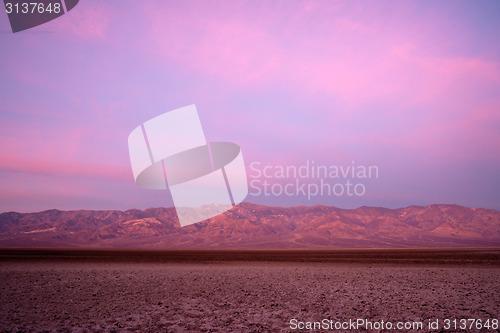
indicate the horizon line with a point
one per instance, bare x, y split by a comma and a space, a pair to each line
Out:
252, 203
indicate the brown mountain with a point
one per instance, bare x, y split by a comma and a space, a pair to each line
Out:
254, 226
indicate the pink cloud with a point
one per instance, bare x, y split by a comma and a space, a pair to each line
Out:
31, 148
88, 20
352, 56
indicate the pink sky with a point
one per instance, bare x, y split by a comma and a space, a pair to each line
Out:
412, 87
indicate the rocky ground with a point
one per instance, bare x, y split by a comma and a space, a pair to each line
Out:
237, 296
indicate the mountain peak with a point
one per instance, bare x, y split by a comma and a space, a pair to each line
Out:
249, 225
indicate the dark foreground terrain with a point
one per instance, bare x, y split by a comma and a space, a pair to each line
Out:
245, 291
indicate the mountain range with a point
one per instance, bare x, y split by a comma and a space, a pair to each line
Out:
251, 226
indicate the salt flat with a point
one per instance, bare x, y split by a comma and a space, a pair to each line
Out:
236, 296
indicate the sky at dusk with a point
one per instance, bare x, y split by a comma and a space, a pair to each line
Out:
410, 87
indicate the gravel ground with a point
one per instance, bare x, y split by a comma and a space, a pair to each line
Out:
237, 296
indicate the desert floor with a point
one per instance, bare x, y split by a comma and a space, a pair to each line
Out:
239, 296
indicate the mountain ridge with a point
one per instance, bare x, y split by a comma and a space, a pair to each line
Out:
256, 226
